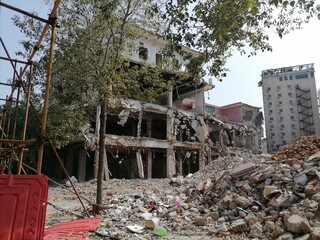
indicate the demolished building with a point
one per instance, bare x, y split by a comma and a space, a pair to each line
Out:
174, 135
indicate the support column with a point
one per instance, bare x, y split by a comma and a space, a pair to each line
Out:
82, 165
202, 158
171, 163
149, 151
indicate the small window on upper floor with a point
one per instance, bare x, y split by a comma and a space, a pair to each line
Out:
289, 87
290, 77
285, 77
290, 94
300, 76
280, 78
290, 102
278, 88
159, 60
268, 89
312, 75
143, 53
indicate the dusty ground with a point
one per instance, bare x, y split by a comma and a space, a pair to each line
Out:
121, 197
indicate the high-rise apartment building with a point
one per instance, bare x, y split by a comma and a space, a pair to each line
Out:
290, 104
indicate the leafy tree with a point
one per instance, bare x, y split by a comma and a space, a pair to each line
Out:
91, 67
218, 27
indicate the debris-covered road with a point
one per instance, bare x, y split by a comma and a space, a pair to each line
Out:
239, 195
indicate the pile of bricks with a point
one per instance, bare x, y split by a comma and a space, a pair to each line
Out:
299, 149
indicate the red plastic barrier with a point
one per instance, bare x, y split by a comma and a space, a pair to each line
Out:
23, 202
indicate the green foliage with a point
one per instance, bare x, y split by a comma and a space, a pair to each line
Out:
216, 28
90, 66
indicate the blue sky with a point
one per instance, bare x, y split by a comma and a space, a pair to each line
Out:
241, 83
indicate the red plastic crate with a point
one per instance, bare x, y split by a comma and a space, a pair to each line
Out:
23, 202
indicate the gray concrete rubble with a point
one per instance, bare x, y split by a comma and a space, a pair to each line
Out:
239, 195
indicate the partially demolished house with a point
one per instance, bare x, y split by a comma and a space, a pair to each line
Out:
172, 136
152, 140
242, 125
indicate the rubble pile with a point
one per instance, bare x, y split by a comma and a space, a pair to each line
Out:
260, 198
238, 196
300, 148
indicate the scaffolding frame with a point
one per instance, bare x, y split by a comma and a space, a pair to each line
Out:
12, 149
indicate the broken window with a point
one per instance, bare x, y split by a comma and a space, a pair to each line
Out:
247, 115
143, 53
159, 60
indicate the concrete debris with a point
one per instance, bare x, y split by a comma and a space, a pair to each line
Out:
299, 149
240, 195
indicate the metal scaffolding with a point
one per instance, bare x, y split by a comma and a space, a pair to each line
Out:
12, 144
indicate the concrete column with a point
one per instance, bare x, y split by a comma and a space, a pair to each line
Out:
202, 158
149, 152
149, 156
82, 165
171, 163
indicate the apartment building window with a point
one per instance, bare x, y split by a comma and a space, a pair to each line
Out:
273, 142
278, 88
159, 60
293, 126
290, 94
279, 95
294, 134
280, 103
143, 53
312, 75
290, 102
271, 127
271, 119
280, 110
281, 119
301, 76
270, 104
285, 78
269, 97
284, 142
291, 110
272, 134
290, 77
270, 111
282, 126
292, 118
280, 78
289, 87
268, 89
283, 134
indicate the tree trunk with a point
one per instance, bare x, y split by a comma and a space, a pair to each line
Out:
102, 153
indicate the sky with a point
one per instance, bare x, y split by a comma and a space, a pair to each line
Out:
241, 83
